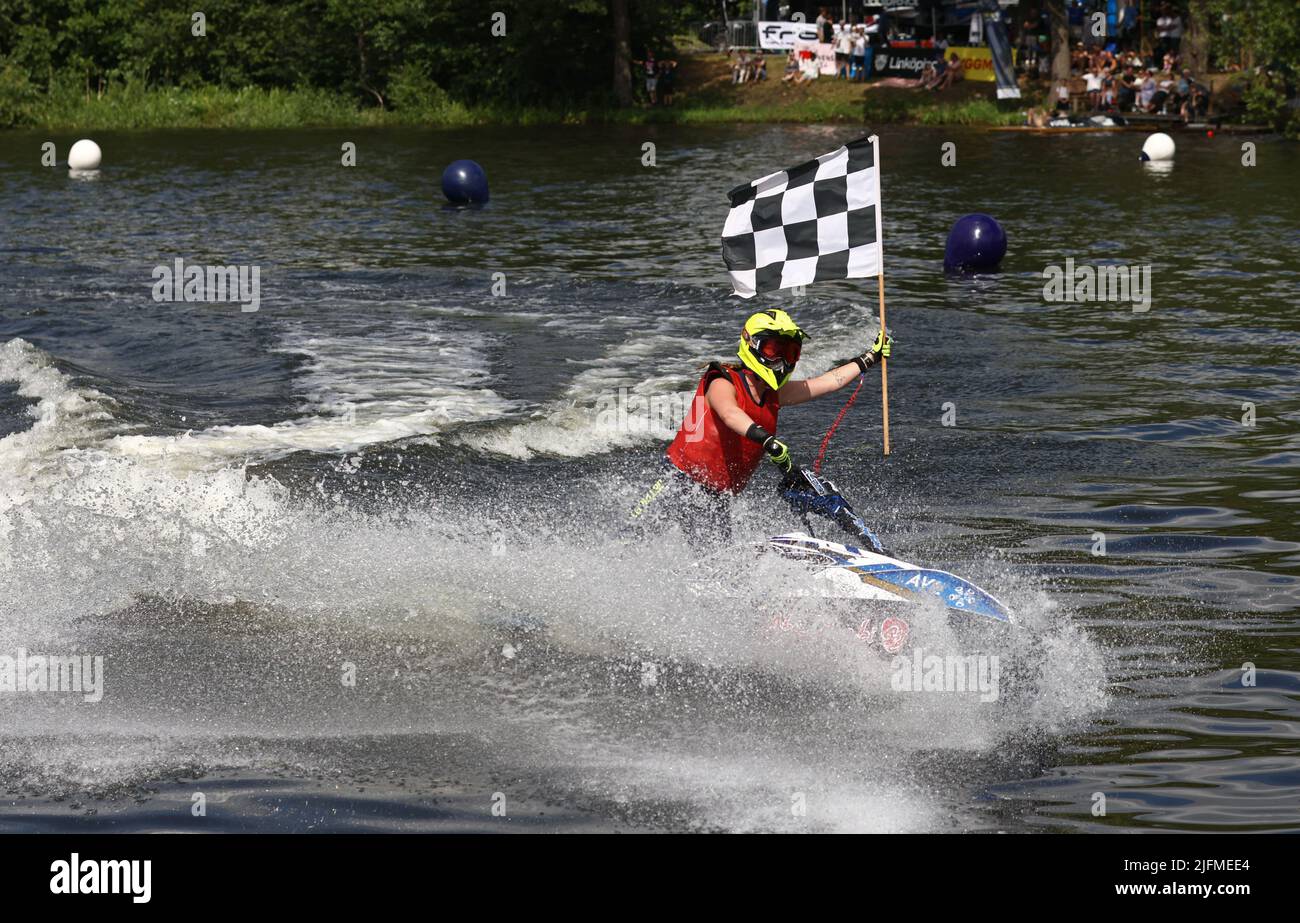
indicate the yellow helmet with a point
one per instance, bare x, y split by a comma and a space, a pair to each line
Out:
770, 345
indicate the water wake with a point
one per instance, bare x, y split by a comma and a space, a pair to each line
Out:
619, 670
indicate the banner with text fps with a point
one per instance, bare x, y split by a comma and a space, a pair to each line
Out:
781, 36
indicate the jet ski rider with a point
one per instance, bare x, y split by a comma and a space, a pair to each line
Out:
732, 420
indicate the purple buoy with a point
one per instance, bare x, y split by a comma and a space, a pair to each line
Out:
976, 243
465, 183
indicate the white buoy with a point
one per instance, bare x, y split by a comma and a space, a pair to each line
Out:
84, 155
1158, 147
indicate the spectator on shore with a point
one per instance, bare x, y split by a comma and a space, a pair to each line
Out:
739, 67
1197, 104
929, 76
952, 73
1062, 98
667, 76
1170, 63
1161, 96
1092, 83
858, 63
650, 68
1127, 95
1182, 88
1029, 43
940, 65
1147, 90
1079, 60
825, 26
758, 67
1131, 80
1107, 90
808, 70
843, 50
1169, 30
1182, 94
791, 67
1175, 33
1164, 21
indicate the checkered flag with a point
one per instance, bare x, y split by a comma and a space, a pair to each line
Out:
810, 223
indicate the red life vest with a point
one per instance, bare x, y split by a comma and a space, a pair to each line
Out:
706, 449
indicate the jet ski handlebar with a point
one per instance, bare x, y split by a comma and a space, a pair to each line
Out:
808, 492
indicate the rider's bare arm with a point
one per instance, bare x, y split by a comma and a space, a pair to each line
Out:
721, 395
797, 392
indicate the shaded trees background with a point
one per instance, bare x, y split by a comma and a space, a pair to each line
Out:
424, 54
554, 52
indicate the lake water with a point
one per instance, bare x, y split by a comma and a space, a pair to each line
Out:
353, 561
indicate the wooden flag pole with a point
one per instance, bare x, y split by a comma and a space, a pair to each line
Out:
884, 374
880, 242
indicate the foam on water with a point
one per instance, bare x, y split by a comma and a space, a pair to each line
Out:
225, 605
365, 383
635, 393
62, 416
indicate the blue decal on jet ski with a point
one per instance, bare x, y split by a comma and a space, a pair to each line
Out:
807, 492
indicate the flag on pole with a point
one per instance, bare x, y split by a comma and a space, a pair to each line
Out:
811, 223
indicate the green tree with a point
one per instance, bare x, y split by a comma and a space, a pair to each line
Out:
1059, 24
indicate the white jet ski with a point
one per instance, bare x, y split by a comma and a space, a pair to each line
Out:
863, 569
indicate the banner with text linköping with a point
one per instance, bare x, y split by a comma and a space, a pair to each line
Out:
902, 62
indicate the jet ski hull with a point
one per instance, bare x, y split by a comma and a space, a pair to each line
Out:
864, 574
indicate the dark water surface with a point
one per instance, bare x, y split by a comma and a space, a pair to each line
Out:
392, 472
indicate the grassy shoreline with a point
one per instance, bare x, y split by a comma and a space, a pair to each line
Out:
705, 96
257, 108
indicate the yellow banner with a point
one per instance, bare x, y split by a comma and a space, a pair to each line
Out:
977, 63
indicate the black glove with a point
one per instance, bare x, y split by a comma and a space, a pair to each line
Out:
776, 450
872, 355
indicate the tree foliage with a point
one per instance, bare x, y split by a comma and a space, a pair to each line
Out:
553, 52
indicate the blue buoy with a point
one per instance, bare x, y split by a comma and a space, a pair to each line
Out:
465, 183
976, 243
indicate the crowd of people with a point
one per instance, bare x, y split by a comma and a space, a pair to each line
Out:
852, 51
1117, 77
1123, 81
1110, 78
850, 41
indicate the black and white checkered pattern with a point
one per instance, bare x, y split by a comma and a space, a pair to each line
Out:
814, 222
